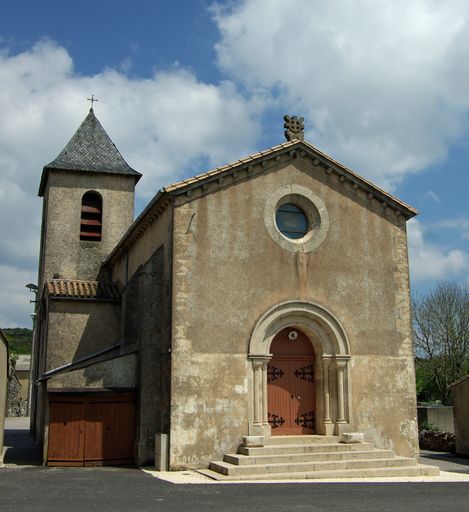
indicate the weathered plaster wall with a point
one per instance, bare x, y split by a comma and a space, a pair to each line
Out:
119, 372
38, 393
3, 384
157, 233
62, 251
461, 415
228, 271
77, 328
22, 371
23, 379
145, 275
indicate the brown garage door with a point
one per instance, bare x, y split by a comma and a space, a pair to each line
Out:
90, 430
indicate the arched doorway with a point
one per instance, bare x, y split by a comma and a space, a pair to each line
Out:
332, 375
291, 392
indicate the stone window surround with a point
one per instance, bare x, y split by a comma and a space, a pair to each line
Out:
312, 206
333, 382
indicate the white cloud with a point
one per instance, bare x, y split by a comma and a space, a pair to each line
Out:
381, 84
168, 126
460, 224
432, 262
433, 196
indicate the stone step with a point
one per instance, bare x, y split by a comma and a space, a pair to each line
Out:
283, 440
404, 471
242, 460
228, 469
304, 448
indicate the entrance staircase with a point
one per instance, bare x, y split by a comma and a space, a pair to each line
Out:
313, 457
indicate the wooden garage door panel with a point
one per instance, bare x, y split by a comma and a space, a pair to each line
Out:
110, 430
66, 430
120, 433
94, 432
91, 430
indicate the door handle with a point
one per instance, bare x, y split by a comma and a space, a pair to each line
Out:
296, 396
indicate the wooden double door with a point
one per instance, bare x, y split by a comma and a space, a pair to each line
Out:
291, 384
90, 430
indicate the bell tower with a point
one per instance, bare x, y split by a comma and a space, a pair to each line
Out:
88, 204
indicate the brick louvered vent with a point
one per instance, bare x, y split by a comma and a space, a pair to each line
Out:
91, 217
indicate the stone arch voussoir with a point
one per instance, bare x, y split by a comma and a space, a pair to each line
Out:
309, 317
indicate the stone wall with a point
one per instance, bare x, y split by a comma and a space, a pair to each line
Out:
144, 273
78, 328
440, 417
17, 399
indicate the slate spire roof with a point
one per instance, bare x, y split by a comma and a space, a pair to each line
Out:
89, 150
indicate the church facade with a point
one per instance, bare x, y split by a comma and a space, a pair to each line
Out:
266, 297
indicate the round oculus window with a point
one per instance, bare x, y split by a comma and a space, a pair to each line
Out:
291, 221
296, 218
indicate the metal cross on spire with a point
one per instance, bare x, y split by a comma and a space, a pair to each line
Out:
92, 99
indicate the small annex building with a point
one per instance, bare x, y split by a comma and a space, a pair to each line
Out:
460, 391
266, 297
4, 366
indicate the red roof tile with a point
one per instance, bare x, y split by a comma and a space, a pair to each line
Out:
74, 288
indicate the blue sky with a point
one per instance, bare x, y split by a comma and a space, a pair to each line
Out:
184, 86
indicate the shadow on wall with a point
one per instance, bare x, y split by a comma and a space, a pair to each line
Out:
117, 372
101, 329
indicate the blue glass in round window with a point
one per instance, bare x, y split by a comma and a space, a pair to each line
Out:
291, 221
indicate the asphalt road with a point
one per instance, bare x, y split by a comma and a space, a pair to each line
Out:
35, 488
123, 489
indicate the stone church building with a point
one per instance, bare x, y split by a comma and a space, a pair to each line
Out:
265, 298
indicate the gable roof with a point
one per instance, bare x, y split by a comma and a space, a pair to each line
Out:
258, 162
89, 150
312, 151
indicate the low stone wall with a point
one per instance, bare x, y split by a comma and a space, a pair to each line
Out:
439, 416
437, 441
16, 405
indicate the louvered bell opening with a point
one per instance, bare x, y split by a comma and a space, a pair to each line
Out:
91, 217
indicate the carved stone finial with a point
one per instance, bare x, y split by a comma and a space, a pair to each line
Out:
294, 127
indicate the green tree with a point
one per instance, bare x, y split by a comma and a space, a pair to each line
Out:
441, 338
19, 339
